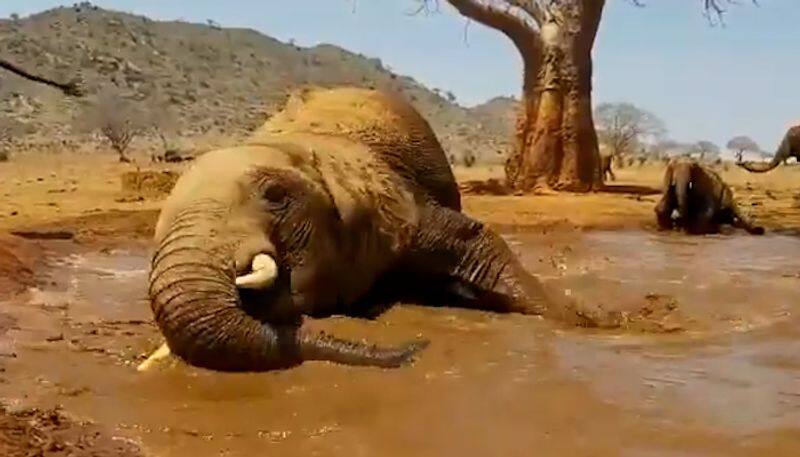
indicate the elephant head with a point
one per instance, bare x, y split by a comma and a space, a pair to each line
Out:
677, 185
682, 180
245, 244
789, 147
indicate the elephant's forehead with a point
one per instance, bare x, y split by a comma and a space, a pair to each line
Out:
232, 162
217, 174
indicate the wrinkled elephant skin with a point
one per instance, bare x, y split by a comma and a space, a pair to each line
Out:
343, 188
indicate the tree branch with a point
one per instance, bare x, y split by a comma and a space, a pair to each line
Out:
524, 36
72, 88
534, 8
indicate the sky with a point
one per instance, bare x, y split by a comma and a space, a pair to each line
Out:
706, 82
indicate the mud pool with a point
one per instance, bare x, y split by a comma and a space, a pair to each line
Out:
717, 374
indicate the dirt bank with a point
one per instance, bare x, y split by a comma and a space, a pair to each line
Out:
35, 432
18, 259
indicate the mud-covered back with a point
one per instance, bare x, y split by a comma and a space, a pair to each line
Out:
388, 125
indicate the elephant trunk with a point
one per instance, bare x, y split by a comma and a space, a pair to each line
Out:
761, 167
784, 152
197, 307
682, 182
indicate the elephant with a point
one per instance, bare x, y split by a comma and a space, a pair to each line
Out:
72, 88
342, 192
702, 199
605, 167
789, 147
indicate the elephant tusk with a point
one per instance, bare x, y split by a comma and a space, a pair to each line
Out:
264, 273
161, 353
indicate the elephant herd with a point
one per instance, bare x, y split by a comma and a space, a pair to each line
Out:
341, 200
335, 204
702, 200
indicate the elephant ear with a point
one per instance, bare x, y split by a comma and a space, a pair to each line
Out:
367, 194
668, 182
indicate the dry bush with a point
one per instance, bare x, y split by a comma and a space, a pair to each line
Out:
118, 119
9, 129
5, 139
148, 183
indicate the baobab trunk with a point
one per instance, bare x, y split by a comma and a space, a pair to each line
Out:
556, 143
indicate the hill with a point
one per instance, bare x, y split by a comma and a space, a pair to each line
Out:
217, 82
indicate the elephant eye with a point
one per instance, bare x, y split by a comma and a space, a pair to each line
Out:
274, 193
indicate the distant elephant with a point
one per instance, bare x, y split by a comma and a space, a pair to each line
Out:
789, 147
702, 199
73, 88
344, 189
605, 168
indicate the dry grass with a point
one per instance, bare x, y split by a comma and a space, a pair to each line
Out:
74, 191
773, 199
41, 189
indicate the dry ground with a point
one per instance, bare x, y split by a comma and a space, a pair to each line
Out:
83, 195
773, 199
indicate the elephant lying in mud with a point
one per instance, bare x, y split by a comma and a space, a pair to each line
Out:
702, 199
343, 190
789, 147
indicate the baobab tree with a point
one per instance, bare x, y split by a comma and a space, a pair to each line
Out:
556, 143
72, 88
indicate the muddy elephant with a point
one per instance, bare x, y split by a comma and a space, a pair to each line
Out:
343, 192
789, 147
701, 198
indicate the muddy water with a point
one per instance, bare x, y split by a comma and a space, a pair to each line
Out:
721, 377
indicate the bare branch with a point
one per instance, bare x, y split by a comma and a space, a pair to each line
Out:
73, 88
715, 10
508, 19
425, 7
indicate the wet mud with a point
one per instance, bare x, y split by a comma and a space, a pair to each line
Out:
706, 361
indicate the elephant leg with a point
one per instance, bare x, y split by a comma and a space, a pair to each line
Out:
741, 221
705, 220
451, 245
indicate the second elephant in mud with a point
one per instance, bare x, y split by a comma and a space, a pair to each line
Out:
701, 198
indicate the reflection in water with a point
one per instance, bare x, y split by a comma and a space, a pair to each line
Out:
488, 385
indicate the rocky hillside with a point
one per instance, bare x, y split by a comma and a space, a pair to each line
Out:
216, 81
